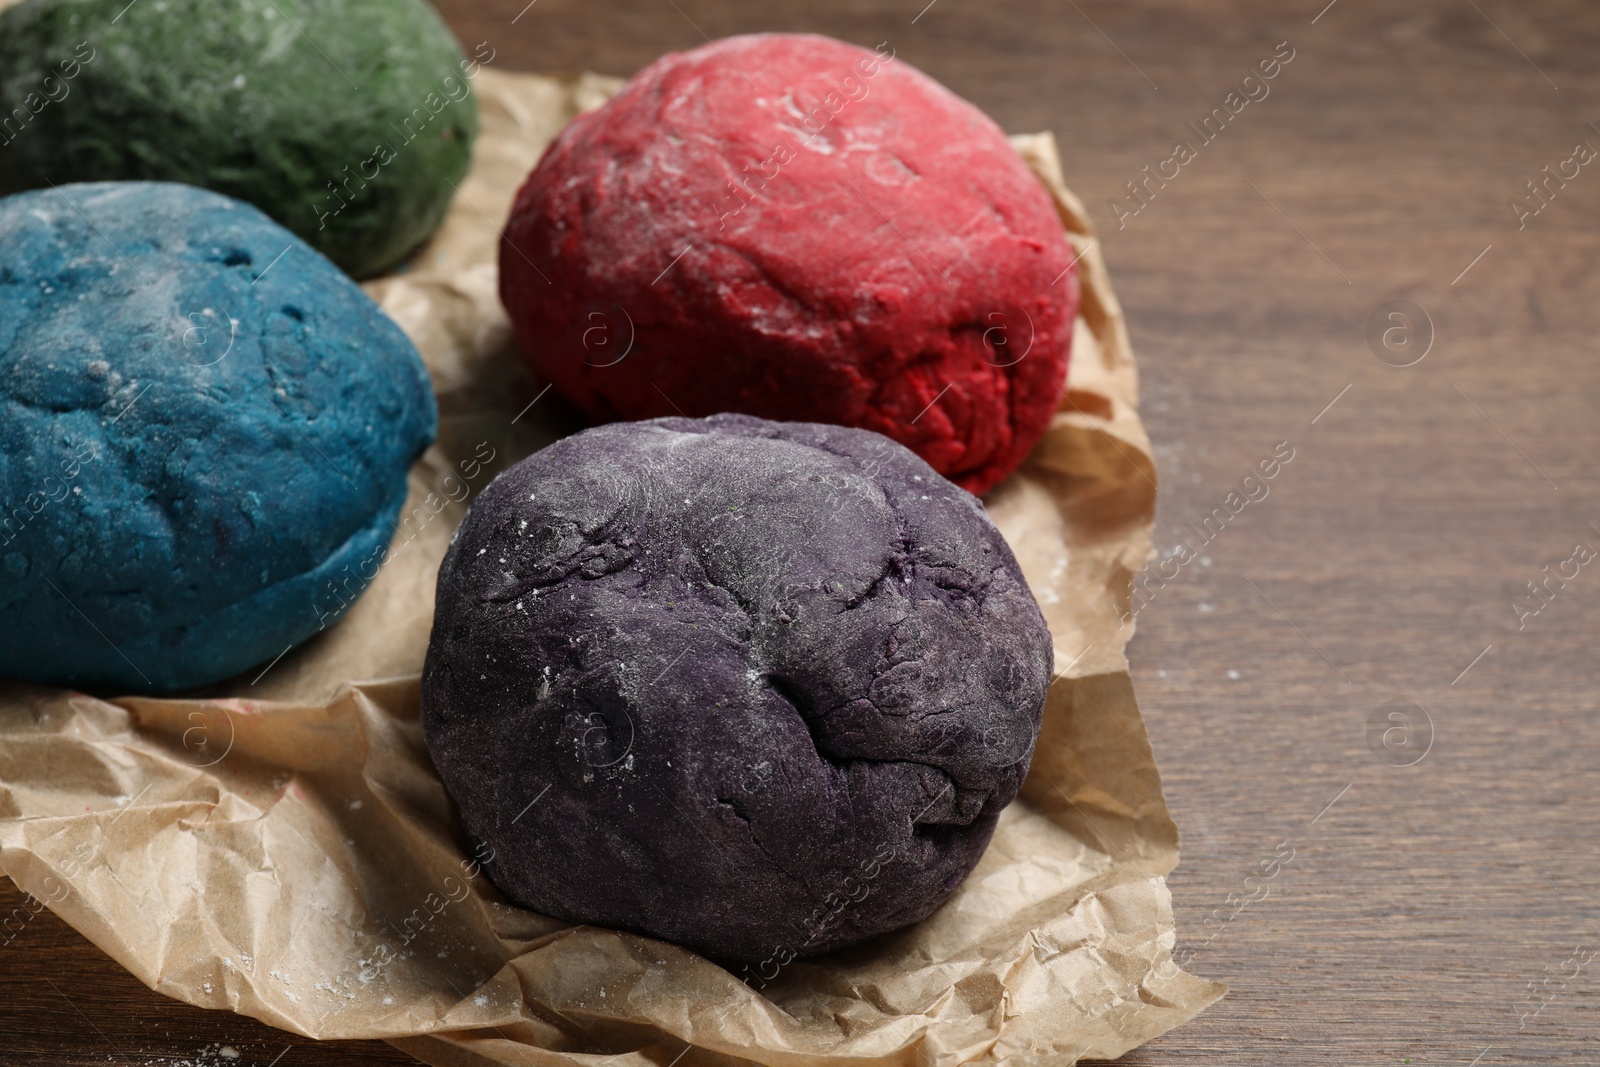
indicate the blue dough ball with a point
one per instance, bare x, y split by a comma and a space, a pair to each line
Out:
203, 423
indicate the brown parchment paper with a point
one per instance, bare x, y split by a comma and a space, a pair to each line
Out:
282, 848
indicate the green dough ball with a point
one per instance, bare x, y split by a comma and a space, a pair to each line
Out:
348, 121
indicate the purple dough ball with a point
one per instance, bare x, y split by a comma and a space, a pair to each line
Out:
760, 689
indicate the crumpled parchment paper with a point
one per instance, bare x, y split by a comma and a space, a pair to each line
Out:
281, 846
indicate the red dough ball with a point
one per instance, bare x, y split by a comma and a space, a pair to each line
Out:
798, 229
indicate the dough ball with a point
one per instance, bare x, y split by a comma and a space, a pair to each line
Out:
799, 229
755, 688
205, 430
348, 121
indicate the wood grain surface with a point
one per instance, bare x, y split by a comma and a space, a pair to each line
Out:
1441, 912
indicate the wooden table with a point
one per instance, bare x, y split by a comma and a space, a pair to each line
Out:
1429, 909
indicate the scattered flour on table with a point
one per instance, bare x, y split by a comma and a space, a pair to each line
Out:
210, 1056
